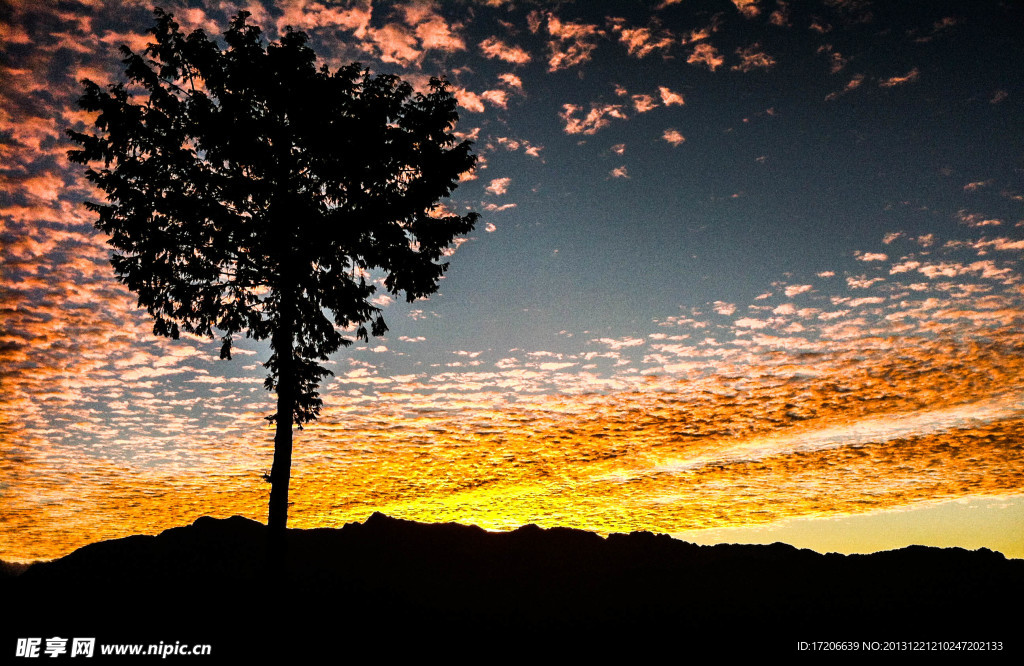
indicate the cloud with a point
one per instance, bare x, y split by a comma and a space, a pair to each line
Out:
752, 323
492, 47
862, 281
393, 43
796, 289
641, 42
468, 99
573, 43
836, 59
402, 41
871, 256
976, 185
703, 33
553, 365
673, 136
780, 16
977, 220
937, 28
619, 149
705, 54
508, 143
986, 269
620, 343
904, 266
748, 8
512, 81
432, 29
511, 144
852, 84
724, 308
498, 186
619, 172
498, 98
1003, 244
751, 58
909, 77
495, 208
599, 116
669, 98
304, 15
643, 103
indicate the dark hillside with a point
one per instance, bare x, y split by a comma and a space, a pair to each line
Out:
417, 588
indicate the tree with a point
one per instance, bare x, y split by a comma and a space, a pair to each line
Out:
249, 191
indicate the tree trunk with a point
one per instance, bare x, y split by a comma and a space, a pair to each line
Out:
280, 473
283, 341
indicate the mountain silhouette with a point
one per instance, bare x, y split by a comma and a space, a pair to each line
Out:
394, 586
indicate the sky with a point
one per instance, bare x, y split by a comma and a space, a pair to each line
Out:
745, 270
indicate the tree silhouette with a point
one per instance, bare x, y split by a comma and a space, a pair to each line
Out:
249, 191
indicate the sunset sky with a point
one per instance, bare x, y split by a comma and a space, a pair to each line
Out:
745, 270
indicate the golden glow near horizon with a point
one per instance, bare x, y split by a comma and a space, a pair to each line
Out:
665, 454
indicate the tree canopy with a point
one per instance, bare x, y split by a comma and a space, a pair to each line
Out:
251, 192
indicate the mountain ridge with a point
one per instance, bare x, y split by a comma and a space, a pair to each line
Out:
222, 579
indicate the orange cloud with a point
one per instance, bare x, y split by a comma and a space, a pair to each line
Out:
305, 15
673, 136
748, 8
468, 99
852, 84
512, 81
977, 220
780, 16
511, 144
641, 42
707, 55
498, 186
669, 98
573, 45
643, 103
393, 43
495, 208
492, 47
751, 58
836, 59
497, 98
599, 116
909, 77
432, 29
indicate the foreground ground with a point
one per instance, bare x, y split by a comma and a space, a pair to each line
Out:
389, 587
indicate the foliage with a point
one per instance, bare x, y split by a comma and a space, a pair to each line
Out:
246, 186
